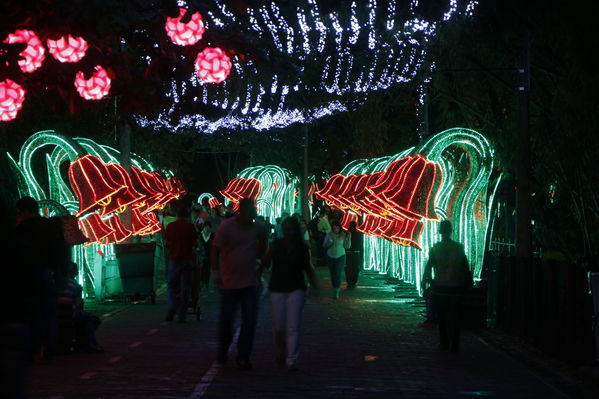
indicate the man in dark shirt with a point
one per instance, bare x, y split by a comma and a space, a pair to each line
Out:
452, 277
181, 239
354, 256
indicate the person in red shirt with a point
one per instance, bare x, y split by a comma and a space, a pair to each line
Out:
181, 238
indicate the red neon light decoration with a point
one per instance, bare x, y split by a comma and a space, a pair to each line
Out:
94, 88
139, 222
347, 219
33, 55
119, 233
214, 202
393, 201
213, 65
92, 183
12, 96
67, 48
239, 188
126, 197
94, 228
175, 186
185, 34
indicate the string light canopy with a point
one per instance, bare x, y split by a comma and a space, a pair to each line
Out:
185, 34
12, 96
213, 65
337, 56
34, 53
94, 88
67, 48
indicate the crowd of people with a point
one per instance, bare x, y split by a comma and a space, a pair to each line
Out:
227, 250
234, 249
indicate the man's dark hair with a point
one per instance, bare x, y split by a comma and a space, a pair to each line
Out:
292, 224
183, 212
246, 203
445, 227
335, 222
28, 204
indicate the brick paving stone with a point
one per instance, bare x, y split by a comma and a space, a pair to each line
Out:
366, 345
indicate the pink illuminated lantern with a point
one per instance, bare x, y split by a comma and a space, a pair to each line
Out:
67, 48
94, 88
185, 34
33, 55
12, 96
213, 65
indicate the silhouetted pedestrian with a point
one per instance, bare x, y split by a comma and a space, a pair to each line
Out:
452, 277
238, 244
290, 260
39, 252
181, 238
354, 256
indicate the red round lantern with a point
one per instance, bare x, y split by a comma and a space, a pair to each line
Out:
12, 96
33, 55
213, 65
185, 34
94, 88
67, 48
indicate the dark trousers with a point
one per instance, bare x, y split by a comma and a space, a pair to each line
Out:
336, 266
247, 298
353, 267
179, 286
448, 304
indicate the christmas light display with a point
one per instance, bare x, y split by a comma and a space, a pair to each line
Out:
34, 53
12, 96
398, 200
213, 202
92, 183
213, 65
185, 34
271, 187
67, 48
94, 88
98, 190
340, 56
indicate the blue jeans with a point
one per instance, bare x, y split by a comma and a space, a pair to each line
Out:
179, 285
229, 299
336, 266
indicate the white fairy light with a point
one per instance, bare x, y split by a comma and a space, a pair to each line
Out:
348, 68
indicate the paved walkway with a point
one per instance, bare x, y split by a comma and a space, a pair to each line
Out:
366, 345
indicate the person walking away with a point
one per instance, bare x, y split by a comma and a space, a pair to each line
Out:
206, 239
336, 242
181, 238
354, 256
238, 244
290, 261
37, 241
452, 277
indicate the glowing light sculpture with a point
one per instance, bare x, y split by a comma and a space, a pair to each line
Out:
34, 54
275, 196
12, 96
213, 65
96, 188
398, 201
185, 34
67, 48
94, 88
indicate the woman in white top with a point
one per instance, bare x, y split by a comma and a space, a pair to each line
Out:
336, 242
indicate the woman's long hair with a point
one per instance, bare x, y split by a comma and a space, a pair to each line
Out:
292, 225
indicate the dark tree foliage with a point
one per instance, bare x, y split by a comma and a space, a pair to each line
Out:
475, 85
